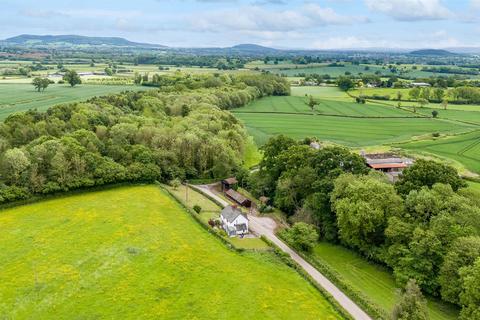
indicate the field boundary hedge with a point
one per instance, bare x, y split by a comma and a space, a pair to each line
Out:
333, 115
364, 302
285, 257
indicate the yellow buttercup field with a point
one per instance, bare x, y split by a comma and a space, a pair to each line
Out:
133, 252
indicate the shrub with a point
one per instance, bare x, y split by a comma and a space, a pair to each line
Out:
197, 208
436, 134
302, 235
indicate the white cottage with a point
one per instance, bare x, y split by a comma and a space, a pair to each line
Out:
234, 221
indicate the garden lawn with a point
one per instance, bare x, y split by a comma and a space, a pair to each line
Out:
464, 149
134, 253
16, 97
374, 281
354, 132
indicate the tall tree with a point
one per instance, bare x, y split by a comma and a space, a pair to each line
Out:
72, 78
412, 304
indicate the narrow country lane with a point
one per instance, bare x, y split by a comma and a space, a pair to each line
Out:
266, 227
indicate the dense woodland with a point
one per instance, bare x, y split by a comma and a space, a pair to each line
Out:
179, 131
426, 227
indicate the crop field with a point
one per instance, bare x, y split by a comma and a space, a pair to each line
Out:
345, 123
464, 149
329, 93
333, 71
373, 281
22, 97
457, 115
133, 252
298, 104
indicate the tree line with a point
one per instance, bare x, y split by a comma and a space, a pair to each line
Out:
425, 227
164, 134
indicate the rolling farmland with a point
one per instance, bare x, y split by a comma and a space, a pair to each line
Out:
464, 149
22, 97
345, 123
133, 251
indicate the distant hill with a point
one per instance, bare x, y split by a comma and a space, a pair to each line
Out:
254, 48
74, 40
432, 52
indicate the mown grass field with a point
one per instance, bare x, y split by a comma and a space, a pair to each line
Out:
328, 93
21, 97
298, 104
457, 115
373, 281
346, 123
464, 149
134, 253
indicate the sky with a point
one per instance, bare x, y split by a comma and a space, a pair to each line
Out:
322, 24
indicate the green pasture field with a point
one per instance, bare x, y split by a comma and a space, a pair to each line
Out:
457, 115
372, 280
464, 149
329, 93
22, 97
133, 252
353, 132
298, 104
333, 71
474, 186
252, 156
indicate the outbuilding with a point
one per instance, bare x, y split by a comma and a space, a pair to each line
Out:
238, 198
229, 183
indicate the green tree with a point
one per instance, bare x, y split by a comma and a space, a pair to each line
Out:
363, 205
422, 102
345, 83
463, 253
312, 103
40, 84
72, 78
414, 93
444, 104
438, 94
427, 173
412, 305
470, 296
434, 113
14, 163
302, 235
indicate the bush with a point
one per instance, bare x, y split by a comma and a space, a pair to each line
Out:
197, 208
302, 235
436, 134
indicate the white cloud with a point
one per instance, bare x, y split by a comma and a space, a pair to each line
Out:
475, 4
410, 10
256, 18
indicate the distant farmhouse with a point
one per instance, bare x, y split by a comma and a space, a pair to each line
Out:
234, 221
388, 163
420, 84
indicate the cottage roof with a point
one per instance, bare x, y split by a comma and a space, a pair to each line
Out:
230, 213
236, 196
388, 165
232, 180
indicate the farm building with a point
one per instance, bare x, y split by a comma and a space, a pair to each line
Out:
234, 221
315, 145
388, 163
420, 84
238, 198
229, 183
